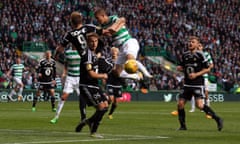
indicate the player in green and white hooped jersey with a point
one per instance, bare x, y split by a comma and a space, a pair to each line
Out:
210, 61
128, 46
17, 71
72, 74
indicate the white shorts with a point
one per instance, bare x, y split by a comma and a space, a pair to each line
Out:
17, 80
206, 83
71, 84
131, 46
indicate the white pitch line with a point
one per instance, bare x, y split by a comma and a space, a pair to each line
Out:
117, 138
91, 140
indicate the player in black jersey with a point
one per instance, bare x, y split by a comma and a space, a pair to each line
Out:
46, 77
194, 65
114, 84
89, 86
78, 38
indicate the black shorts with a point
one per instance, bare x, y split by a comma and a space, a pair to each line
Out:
46, 86
92, 95
116, 91
189, 91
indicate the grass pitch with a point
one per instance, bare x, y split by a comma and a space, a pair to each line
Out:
133, 123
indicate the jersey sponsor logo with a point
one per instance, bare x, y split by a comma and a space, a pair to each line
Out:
89, 66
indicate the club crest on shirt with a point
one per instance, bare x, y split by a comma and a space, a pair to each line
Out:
89, 66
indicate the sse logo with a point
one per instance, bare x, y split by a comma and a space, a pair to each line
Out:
216, 97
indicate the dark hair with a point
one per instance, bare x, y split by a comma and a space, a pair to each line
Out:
100, 11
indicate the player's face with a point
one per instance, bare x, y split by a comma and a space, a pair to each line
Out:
200, 47
92, 43
114, 53
18, 60
102, 19
193, 44
48, 55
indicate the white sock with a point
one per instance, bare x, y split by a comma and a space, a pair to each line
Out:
59, 108
20, 91
12, 93
143, 69
193, 103
208, 102
124, 74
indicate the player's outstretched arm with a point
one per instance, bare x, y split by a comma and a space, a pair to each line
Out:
97, 75
58, 51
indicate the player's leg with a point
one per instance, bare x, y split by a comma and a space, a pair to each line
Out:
85, 99
183, 98
117, 93
100, 111
60, 107
207, 101
208, 110
181, 114
112, 108
131, 48
68, 88
82, 108
52, 94
192, 104
101, 105
123, 74
35, 99
20, 97
13, 91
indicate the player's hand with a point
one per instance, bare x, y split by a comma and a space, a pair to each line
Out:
54, 82
105, 76
192, 75
179, 68
63, 75
106, 32
39, 75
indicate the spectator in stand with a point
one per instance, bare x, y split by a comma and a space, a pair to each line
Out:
168, 25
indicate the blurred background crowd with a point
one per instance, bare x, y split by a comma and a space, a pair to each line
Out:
161, 24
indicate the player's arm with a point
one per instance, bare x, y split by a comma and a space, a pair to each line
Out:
65, 70
54, 71
179, 68
200, 73
59, 50
206, 69
61, 46
94, 74
8, 74
39, 69
120, 22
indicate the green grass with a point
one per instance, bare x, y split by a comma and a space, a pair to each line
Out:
133, 123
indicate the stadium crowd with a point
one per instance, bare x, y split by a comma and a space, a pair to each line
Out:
156, 23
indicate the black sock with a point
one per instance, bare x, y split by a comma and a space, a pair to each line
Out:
98, 117
210, 112
82, 107
113, 107
35, 99
181, 117
53, 101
